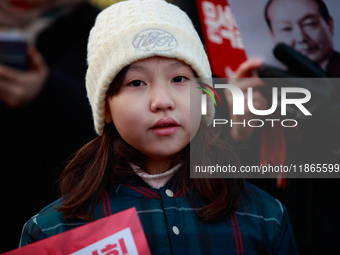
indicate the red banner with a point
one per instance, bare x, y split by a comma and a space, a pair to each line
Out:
222, 38
118, 234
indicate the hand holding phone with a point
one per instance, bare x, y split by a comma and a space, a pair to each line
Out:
18, 87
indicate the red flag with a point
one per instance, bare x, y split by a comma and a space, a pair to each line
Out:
118, 234
221, 36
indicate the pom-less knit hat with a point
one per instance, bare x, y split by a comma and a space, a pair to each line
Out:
132, 30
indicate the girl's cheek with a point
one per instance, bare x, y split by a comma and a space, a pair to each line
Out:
194, 125
195, 102
195, 113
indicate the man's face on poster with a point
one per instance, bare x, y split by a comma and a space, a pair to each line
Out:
300, 24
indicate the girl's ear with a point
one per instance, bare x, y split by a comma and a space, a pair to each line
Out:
108, 118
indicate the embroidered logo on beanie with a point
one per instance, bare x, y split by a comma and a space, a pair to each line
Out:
155, 40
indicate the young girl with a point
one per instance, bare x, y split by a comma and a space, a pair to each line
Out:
141, 56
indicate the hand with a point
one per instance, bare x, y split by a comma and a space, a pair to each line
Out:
238, 131
18, 88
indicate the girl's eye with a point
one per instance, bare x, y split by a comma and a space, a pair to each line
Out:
179, 79
137, 83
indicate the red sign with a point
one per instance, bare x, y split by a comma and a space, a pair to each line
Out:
118, 234
222, 38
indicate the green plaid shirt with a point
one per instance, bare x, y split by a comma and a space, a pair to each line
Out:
260, 225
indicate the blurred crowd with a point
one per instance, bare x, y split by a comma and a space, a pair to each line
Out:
45, 116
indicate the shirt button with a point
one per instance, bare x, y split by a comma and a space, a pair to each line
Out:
169, 193
175, 230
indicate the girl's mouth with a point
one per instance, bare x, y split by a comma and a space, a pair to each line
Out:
165, 127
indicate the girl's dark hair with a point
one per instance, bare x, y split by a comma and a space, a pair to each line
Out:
102, 163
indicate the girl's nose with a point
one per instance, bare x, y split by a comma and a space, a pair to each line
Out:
161, 98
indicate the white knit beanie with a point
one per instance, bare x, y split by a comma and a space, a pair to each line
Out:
132, 30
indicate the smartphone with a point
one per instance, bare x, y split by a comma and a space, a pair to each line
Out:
13, 50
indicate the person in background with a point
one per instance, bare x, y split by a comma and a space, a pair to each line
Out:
307, 27
35, 104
